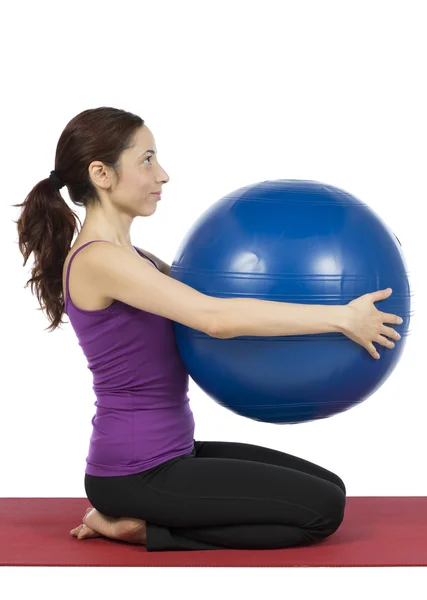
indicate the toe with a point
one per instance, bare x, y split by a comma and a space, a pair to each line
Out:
89, 512
87, 532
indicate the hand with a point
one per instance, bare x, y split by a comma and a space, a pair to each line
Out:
364, 324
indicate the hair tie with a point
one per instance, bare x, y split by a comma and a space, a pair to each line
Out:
56, 180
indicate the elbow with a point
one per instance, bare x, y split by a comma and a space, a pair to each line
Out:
216, 326
218, 331
213, 332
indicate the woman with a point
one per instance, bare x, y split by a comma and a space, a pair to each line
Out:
149, 481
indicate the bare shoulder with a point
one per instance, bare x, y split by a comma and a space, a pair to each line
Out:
98, 247
89, 266
83, 294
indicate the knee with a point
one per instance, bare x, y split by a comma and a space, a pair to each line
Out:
330, 515
333, 478
334, 515
340, 483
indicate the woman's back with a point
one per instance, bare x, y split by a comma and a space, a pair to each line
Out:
143, 417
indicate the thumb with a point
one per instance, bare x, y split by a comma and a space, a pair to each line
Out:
381, 294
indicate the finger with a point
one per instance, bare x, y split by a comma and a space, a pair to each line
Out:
380, 294
390, 332
385, 341
389, 318
372, 350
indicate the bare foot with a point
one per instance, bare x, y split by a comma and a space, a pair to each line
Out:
96, 524
83, 531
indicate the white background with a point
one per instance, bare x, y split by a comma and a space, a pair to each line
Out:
235, 93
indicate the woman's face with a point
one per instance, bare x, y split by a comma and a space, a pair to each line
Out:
140, 177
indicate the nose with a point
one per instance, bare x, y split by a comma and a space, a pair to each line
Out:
165, 178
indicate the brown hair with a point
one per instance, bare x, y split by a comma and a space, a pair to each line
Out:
46, 224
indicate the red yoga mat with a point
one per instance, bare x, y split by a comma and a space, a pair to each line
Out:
376, 532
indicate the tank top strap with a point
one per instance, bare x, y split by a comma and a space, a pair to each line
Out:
71, 260
145, 256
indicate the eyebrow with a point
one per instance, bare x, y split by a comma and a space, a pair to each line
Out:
152, 152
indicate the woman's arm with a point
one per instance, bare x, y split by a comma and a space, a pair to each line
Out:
163, 267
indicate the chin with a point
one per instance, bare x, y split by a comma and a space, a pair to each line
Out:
147, 211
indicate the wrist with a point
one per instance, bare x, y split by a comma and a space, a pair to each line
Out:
341, 318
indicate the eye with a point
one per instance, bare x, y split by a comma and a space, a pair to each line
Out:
149, 158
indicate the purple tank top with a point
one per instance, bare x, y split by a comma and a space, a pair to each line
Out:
143, 417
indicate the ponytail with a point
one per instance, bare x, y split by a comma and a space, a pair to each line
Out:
46, 228
46, 225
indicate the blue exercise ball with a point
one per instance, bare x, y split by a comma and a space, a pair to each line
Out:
290, 241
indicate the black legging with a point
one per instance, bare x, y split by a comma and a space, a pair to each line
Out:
226, 495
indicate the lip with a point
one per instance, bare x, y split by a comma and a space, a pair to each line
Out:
157, 193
